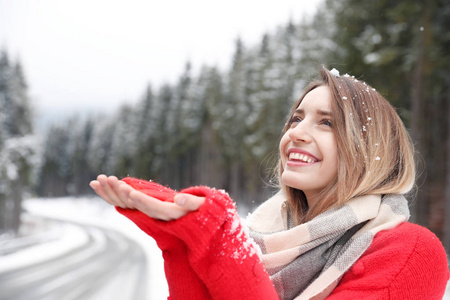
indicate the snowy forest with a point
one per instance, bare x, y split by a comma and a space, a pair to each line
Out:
221, 127
18, 155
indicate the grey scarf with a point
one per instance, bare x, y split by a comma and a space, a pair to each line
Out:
307, 261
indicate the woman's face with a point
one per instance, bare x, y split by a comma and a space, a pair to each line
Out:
308, 149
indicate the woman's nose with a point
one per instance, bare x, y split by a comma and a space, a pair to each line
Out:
301, 133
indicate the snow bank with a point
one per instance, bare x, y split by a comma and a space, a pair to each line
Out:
69, 237
93, 211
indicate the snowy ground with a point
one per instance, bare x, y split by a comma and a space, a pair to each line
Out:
44, 239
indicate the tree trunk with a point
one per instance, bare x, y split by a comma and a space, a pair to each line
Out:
3, 213
447, 181
17, 192
419, 209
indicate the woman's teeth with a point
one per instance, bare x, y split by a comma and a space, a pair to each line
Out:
302, 157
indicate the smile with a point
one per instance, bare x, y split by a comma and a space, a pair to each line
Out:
295, 156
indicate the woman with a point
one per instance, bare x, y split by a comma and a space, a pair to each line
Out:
337, 229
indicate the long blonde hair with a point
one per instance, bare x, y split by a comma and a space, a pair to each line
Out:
375, 152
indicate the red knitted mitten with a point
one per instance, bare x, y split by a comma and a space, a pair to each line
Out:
220, 251
151, 188
183, 282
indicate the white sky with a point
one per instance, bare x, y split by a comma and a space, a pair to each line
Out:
83, 55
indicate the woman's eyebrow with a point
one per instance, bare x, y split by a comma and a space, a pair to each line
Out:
323, 112
318, 111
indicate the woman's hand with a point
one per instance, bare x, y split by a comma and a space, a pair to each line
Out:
120, 194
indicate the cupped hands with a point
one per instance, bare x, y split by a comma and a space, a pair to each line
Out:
119, 193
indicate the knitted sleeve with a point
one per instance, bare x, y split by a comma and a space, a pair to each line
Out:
407, 262
184, 283
218, 250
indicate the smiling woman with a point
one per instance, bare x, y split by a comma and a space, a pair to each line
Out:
337, 229
308, 148
363, 136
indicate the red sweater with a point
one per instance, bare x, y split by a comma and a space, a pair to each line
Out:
406, 262
208, 256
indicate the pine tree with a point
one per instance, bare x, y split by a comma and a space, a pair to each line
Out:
183, 120
123, 145
145, 138
55, 173
210, 112
235, 109
100, 145
17, 146
80, 166
162, 135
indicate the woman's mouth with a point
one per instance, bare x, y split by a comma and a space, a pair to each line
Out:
295, 156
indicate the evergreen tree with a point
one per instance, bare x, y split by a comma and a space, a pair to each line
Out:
145, 137
162, 135
209, 163
100, 145
263, 120
17, 146
56, 172
234, 110
182, 122
80, 166
123, 145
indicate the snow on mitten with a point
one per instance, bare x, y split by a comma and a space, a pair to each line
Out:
219, 250
183, 282
151, 188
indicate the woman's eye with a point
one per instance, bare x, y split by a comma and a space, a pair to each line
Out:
294, 121
327, 122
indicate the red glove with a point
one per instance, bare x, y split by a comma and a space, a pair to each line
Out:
184, 282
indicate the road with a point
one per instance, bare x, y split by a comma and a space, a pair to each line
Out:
108, 266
